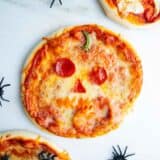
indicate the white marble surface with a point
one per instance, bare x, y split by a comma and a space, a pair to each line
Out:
24, 22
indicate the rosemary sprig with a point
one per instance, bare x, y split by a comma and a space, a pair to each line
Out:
87, 43
53, 1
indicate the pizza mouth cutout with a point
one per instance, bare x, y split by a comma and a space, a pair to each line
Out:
81, 85
88, 113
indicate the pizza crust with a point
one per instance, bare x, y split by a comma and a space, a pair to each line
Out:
113, 14
25, 135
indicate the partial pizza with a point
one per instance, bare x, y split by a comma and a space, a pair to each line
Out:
22, 145
132, 13
81, 81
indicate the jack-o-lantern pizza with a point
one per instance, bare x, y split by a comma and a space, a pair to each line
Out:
81, 81
132, 13
22, 145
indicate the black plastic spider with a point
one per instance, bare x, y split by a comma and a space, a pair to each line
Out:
119, 155
46, 156
2, 91
4, 157
60, 1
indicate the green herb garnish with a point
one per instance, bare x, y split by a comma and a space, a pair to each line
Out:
87, 44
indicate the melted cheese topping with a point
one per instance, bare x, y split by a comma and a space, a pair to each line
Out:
27, 149
50, 99
130, 6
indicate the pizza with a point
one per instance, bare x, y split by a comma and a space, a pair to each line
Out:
132, 13
80, 81
22, 145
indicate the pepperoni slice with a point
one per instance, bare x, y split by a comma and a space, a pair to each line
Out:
64, 67
79, 87
98, 75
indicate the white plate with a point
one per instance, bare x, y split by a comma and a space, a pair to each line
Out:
22, 25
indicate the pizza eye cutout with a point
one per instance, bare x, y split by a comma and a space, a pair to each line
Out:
98, 75
72, 88
64, 67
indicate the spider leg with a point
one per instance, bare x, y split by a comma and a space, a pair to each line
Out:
115, 150
60, 1
52, 3
120, 151
125, 150
53, 156
114, 154
6, 85
0, 104
129, 155
4, 99
1, 81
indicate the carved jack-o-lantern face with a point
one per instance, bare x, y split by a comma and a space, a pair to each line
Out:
81, 81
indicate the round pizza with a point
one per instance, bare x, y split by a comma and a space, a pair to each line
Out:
21, 145
80, 81
132, 13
